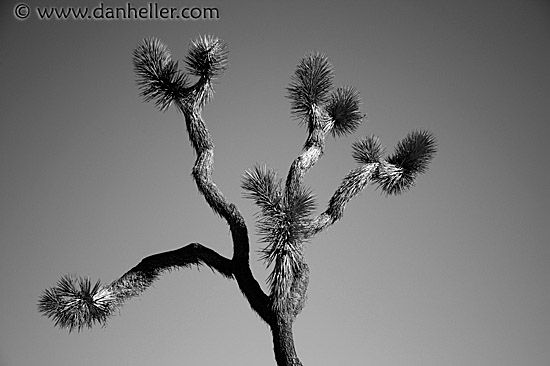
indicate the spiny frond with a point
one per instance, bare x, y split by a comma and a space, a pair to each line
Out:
287, 224
367, 150
282, 223
281, 219
343, 107
310, 85
74, 303
207, 57
284, 232
286, 266
299, 205
262, 185
415, 152
157, 74
392, 180
411, 157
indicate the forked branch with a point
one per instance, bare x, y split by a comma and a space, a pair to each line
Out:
285, 206
394, 174
207, 60
75, 303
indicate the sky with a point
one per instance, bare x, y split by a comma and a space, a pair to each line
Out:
454, 272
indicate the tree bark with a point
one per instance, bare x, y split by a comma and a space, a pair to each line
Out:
283, 343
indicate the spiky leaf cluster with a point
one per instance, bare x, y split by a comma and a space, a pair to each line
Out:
397, 173
74, 303
282, 223
411, 157
310, 85
207, 57
343, 107
368, 150
160, 80
263, 186
158, 76
311, 95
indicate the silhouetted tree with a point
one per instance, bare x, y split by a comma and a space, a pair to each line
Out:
285, 206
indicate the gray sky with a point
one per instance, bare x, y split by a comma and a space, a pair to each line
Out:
455, 272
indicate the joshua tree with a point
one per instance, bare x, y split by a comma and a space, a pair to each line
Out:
285, 206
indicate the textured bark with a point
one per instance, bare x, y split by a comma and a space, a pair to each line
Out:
279, 319
318, 126
74, 304
283, 344
351, 186
140, 277
202, 174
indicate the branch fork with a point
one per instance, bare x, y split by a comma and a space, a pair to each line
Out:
284, 220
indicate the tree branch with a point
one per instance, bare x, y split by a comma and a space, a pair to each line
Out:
74, 304
202, 174
394, 174
283, 344
351, 185
207, 58
322, 111
337, 113
160, 81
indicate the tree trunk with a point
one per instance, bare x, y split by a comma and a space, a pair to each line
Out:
283, 344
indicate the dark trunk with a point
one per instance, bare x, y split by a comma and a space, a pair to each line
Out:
283, 344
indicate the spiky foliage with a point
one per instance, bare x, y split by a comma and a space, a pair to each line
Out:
160, 80
411, 157
74, 303
344, 108
367, 150
207, 57
283, 220
282, 223
310, 85
263, 186
284, 242
158, 77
